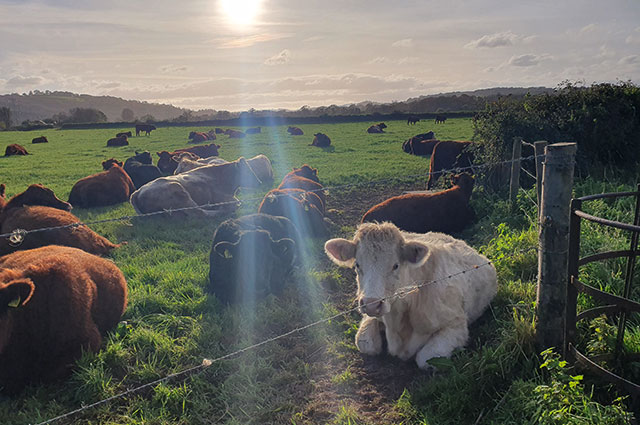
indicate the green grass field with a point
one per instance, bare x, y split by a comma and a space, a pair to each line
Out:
315, 376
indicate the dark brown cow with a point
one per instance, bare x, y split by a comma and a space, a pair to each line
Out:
307, 172
412, 120
447, 211
15, 149
118, 141
124, 133
55, 303
218, 130
234, 134
295, 131
167, 162
321, 140
3, 199
374, 129
305, 178
407, 145
419, 147
41, 139
440, 119
447, 155
199, 137
147, 128
109, 187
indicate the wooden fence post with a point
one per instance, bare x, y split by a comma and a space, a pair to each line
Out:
515, 170
553, 254
539, 152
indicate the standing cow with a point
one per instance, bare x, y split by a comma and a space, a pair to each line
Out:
430, 321
147, 128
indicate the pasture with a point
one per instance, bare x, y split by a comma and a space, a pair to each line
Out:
314, 376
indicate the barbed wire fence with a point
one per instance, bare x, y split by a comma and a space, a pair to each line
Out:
206, 362
17, 236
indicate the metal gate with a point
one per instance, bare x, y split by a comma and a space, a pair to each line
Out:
612, 305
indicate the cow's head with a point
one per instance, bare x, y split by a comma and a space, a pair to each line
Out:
307, 172
382, 125
37, 194
143, 157
382, 260
255, 264
107, 164
246, 176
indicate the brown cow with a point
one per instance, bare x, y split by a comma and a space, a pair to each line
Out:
168, 161
419, 147
41, 139
199, 137
447, 155
307, 172
295, 181
234, 134
55, 303
15, 149
320, 140
3, 199
447, 211
118, 141
298, 206
106, 188
374, 129
36, 194
37, 217
295, 131
147, 128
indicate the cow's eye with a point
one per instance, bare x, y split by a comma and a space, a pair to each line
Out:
357, 266
395, 267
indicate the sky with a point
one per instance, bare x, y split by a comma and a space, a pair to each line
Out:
240, 54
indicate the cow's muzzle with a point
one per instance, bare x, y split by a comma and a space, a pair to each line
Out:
373, 307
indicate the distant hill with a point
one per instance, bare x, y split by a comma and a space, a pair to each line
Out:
39, 105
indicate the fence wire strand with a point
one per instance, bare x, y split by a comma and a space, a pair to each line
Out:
16, 236
208, 362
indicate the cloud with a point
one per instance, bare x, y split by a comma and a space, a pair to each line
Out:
23, 82
406, 42
629, 60
167, 69
605, 53
526, 60
377, 60
281, 58
240, 42
499, 39
108, 85
314, 38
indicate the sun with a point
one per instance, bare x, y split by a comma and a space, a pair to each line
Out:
241, 12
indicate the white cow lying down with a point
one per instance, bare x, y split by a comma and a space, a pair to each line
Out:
260, 164
430, 322
205, 185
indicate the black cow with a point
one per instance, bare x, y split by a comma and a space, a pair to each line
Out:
147, 128
141, 169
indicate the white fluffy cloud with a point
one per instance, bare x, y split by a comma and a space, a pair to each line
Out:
281, 58
406, 42
20, 82
527, 60
499, 39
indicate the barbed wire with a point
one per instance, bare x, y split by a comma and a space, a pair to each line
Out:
16, 236
403, 292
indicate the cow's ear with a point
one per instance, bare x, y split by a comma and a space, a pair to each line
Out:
285, 249
341, 251
225, 249
414, 253
15, 294
2, 188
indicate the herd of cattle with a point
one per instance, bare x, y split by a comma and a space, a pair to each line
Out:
57, 297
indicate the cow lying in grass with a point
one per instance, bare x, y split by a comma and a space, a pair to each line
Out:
302, 208
426, 323
141, 169
37, 208
447, 211
210, 184
15, 149
167, 161
295, 131
199, 137
296, 180
55, 303
109, 187
252, 256
260, 164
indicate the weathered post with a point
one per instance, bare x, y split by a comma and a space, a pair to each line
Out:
515, 170
553, 254
539, 157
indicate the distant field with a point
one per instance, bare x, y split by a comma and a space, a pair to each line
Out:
173, 323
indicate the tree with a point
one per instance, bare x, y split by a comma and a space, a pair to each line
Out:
86, 115
147, 119
5, 117
127, 115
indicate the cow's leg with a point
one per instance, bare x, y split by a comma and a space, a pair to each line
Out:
368, 338
442, 343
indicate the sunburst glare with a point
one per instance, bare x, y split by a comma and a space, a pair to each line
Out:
242, 13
